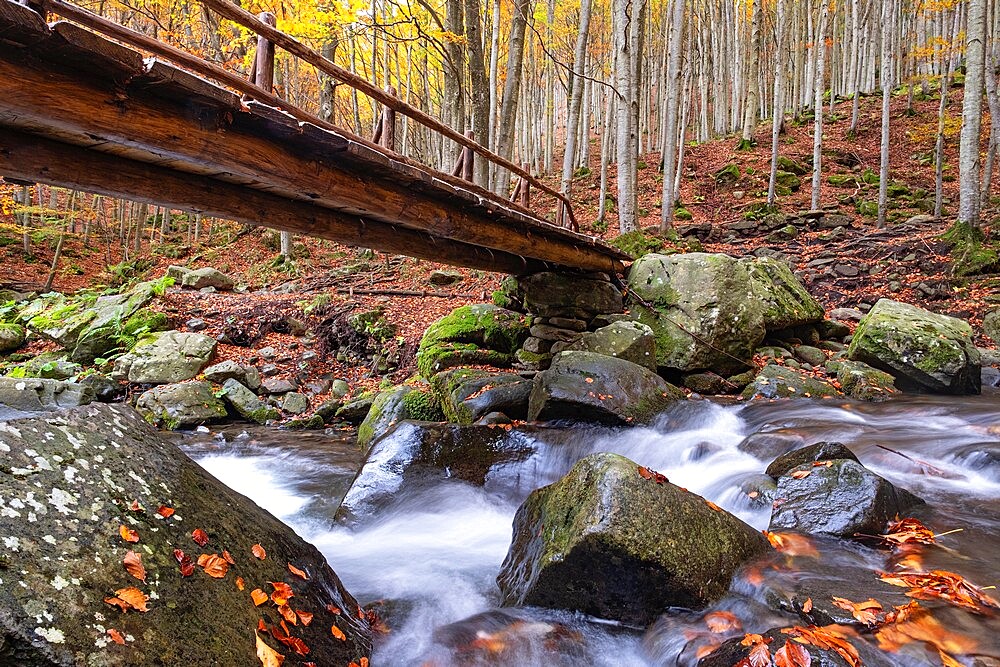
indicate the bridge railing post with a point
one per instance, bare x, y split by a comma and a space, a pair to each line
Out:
522, 192
385, 133
262, 72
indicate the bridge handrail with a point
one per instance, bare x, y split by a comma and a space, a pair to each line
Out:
228, 10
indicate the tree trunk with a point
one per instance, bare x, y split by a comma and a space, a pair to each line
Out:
888, 30
576, 96
454, 76
818, 86
511, 88
479, 93
628, 24
972, 117
752, 101
670, 99
779, 96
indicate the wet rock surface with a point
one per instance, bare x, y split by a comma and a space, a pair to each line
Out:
38, 395
171, 356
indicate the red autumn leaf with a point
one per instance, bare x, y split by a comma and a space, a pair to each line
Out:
792, 544
288, 614
268, 656
129, 598
333, 610
213, 565
128, 534
792, 655
116, 636
807, 606
713, 506
117, 602
833, 637
916, 624
305, 617
868, 612
338, 633
907, 531
801, 474
261, 625
200, 537
258, 551
282, 592
228, 558
240, 583
297, 572
133, 563
187, 567
134, 506
943, 585
164, 511
722, 621
259, 597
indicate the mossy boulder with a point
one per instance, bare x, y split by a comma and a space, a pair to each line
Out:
586, 386
165, 358
868, 208
991, 325
786, 179
625, 339
841, 180
174, 406
637, 243
790, 165
785, 299
11, 336
924, 351
467, 394
207, 277
422, 406
246, 403
393, 406
557, 294
863, 382
607, 542
703, 310
61, 526
38, 395
471, 335
775, 381
839, 499
728, 175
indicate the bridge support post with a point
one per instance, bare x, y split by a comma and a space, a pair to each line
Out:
522, 193
262, 74
385, 133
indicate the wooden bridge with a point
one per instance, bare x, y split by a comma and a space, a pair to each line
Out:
82, 111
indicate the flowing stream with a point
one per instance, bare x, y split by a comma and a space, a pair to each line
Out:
430, 561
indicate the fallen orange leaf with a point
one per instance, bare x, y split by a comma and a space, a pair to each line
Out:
268, 656
226, 556
200, 537
338, 633
713, 506
134, 506
807, 606
133, 563
282, 592
213, 565
792, 544
116, 636
259, 552
722, 621
239, 583
297, 572
259, 597
128, 534
165, 512
129, 598
792, 655
288, 614
305, 617
867, 612
801, 474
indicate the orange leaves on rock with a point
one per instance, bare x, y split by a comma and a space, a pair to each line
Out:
258, 551
134, 506
226, 556
907, 531
943, 585
200, 537
868, 612
648, 473
133, 563
760, 655
305, 617
187, 567
268, 656
807, 606
916, 624
792, 655
713, 506
164, 511
801, 474
116, 636
722, 621
831, 637
214, 565
792, 544
258, 596
338, 633
280, 632
288, 614
129, 598
240, 584
333, 610
297, 572
363, 662
128, 534
282, 592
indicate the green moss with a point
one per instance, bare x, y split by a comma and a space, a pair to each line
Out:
897, 190
263, 414
50, 319
638, 243
476, 334
970, 254
727, 175
422, 405
867, 208
681, 213
870, 177
841, 180
790, 165
787, 179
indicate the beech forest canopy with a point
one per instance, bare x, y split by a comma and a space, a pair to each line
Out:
549, 82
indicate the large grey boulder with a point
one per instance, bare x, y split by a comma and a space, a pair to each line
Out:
608, 542
924, 351
224, 370
553, 294
165, 358
393, 406
991, 324
175, 406
625, 339
467, 394
38, 395
586, 386
702, 309
11, 336
776, 381
841, 499
785, 299
471, 335
863, 382
246, 403
76, 477
207, 277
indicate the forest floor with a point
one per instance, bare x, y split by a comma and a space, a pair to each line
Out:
842, 267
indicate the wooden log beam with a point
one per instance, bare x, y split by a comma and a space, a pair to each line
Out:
43, 99
29, 157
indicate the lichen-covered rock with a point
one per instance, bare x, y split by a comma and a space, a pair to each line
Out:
841, 499
775, 381
466, 394
355, 410
175, 406
471, 335
295, 403
207, 277
819, 451
553, 294
991, 324
586, 386
387, 409
38, 395
224, 370
11, 336
863, 382
703, 310
786, 301
631, 341
607, 542
246, 403
413, 454
924, 351
165, 358
74, 478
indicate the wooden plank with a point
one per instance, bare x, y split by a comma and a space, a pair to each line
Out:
21, 26
167, 80
29, 157
89, 52
52, 100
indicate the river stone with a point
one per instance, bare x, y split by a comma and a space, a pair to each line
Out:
608, 543
175, 406
387, 409
82, 469
991, 325
865, 383
471, 335
11, 336
631, 341
586, 386
732, 653
842, 499
246, 403
38, 395
444, 277
355, 410
924, 351
295, 403
165, 358
552, 294
705, 383
809, 354
278, 386
702, 309
415, 454
785, 299
819, 451
775, 381
224, 370
105, 389
467, 394
207, 277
